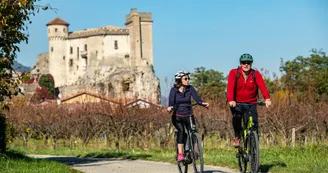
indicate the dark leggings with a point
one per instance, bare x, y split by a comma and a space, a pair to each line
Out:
237, 113
179, 123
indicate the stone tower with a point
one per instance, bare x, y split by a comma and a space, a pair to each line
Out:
140, 29
57, 36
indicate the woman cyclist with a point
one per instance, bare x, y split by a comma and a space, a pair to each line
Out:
180, 99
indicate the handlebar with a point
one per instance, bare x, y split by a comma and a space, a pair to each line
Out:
257, 103
192, 105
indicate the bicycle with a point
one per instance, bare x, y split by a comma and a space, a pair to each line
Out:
191, 154
248, 151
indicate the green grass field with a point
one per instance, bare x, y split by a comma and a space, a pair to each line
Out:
273, 159
16, 162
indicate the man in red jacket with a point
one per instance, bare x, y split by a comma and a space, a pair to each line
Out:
243, 88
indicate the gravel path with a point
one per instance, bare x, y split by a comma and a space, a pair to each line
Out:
100, 165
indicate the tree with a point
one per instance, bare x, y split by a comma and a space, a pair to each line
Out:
272, 83
209, 83
306, 77
47, 82
14, 15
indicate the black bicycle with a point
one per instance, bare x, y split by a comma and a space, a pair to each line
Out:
248, 152
193, 149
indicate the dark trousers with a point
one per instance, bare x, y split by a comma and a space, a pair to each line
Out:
179, 123
237, 114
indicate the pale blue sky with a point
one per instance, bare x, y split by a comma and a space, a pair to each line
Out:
210, 33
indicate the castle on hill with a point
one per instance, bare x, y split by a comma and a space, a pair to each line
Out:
116, 56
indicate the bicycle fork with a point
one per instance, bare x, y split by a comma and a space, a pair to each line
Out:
247, 131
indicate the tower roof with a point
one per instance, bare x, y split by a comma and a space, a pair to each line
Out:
57, 21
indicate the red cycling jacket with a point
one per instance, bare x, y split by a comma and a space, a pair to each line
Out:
246, 89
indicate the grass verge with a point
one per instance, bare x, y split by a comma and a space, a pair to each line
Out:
15, 162
274, 159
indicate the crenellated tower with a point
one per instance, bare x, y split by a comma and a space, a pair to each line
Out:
57, 36
141, 41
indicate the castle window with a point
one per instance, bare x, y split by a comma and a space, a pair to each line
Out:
71, 50
56, 29
115, 44
64, 30
64, 57
71, 62
86, 47
52, 49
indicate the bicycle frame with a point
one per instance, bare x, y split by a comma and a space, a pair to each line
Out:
190, 131
189, 146
247, 129
249, 126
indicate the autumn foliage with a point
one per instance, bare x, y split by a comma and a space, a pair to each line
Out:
152, 127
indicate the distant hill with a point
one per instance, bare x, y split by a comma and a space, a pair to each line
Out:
18, 67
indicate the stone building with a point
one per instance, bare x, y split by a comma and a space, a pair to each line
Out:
118, 59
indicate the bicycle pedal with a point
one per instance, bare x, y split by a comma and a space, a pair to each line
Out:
187, 161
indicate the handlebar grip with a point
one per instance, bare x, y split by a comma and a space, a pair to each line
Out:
261, 103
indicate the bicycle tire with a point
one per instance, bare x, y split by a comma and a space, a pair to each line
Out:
241, 164
196, 140
254, 153
241, 155
182, 166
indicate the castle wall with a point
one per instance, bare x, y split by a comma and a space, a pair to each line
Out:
133, 25
96, 49
57, 65
122, 49
100, 52
74, 60
29, 88
147, 40
42, 64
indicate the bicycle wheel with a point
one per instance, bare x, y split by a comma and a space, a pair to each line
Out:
197, 155
254, 152
241, 156
182, 166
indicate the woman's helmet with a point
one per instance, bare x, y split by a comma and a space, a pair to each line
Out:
180, 73
246, 57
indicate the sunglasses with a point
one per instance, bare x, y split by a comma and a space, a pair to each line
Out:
246, 62
186, 79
